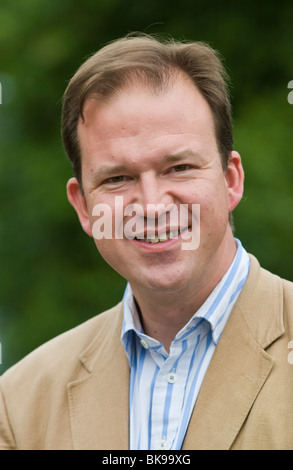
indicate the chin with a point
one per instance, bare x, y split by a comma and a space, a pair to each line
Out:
164, 282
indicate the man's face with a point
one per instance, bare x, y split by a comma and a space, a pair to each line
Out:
157, 148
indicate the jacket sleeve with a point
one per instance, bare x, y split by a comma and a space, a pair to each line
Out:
6, 435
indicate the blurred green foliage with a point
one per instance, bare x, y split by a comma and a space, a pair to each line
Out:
51, 275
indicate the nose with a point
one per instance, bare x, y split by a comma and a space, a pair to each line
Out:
153, 195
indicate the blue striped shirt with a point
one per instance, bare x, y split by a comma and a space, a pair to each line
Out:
164, 387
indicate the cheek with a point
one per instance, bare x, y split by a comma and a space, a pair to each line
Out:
211, 195
101, 211
214, 207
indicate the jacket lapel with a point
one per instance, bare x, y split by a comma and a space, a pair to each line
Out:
99, 403
240, 365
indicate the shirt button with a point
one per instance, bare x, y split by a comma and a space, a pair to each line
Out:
144, 343
171, 377
163, 444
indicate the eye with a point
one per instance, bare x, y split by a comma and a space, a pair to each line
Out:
182, 167
116, 179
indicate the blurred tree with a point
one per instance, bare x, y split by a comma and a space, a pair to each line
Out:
51, 275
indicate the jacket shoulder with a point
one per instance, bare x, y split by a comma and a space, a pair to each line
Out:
63, 352
34, 405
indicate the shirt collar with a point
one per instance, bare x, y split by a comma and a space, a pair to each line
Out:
215, 310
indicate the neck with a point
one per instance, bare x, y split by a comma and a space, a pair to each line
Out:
163, 313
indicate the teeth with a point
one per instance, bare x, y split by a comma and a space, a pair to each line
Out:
162, 238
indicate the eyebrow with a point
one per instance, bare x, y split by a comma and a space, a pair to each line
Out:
177, 157
106, 171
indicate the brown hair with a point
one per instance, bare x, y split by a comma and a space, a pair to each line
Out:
154, 62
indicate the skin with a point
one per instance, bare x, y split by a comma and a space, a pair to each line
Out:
155, 148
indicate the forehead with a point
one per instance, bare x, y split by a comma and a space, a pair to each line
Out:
141, 116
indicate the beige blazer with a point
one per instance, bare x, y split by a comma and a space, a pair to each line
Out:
72, 392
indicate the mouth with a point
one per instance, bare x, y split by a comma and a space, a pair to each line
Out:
161, 238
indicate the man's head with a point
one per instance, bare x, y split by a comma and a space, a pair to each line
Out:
153, 63
139, 128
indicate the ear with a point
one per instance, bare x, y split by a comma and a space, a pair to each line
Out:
234, 180
78, 201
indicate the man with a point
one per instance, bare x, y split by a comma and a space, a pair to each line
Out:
196, 355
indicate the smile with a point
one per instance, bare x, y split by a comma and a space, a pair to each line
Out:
161, 238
